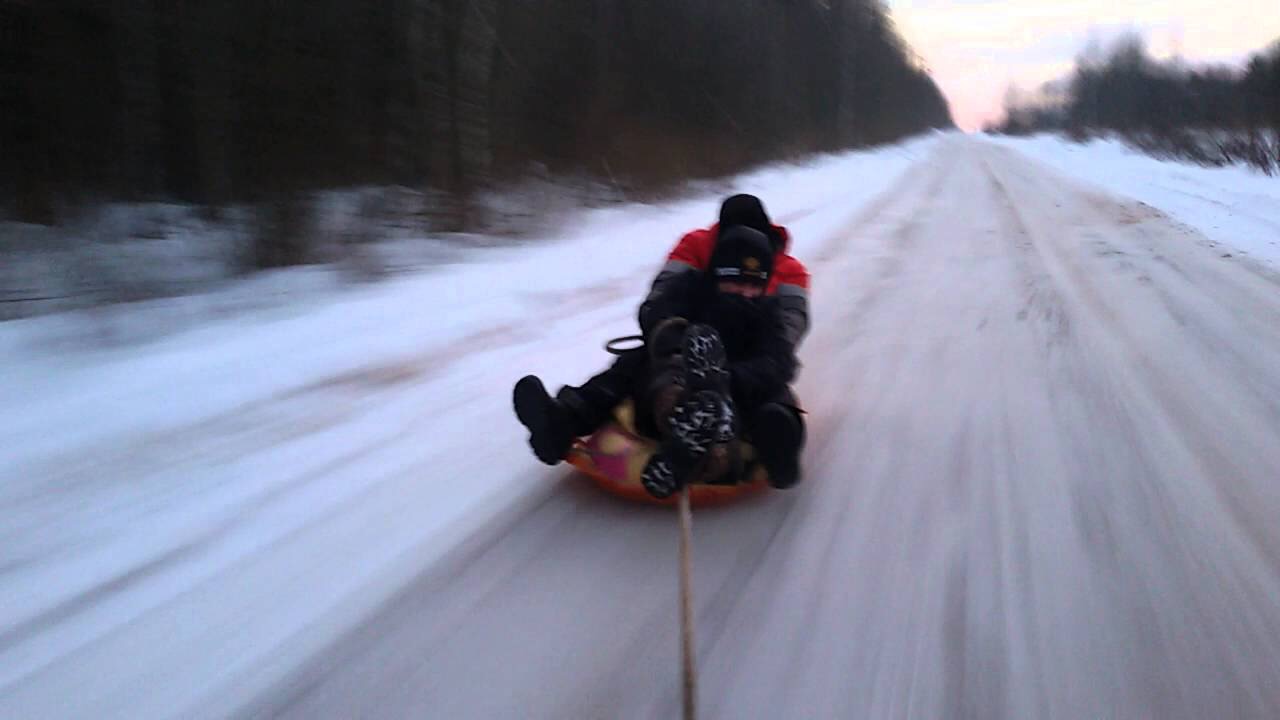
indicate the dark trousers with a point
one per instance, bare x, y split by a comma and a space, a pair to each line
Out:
593, 402
631, 376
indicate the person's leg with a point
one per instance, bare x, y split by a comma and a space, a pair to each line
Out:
700, 414
657, 390
592, 403
776, 430
553, 423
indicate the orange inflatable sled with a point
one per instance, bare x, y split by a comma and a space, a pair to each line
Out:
615, 455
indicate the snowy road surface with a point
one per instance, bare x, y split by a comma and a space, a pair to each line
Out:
1043, 480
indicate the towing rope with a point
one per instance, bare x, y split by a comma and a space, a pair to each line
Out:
686, 607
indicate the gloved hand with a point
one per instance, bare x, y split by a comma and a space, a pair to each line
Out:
666, 341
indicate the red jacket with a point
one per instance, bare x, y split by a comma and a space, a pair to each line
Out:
789, 274
790, 280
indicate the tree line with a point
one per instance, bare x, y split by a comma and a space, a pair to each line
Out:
1214, 114
249, 101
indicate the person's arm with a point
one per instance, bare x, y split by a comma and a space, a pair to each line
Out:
669, 294
675, 297
792, 293
770, 368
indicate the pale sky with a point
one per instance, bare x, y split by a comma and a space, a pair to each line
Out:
976, 48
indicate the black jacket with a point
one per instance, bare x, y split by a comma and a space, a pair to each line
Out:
762, 360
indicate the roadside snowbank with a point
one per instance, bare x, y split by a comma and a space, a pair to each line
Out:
1234, 206
186, 515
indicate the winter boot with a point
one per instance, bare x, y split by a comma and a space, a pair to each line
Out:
777, 435
551, 424
701, 417
666, 382
666, 341
697, 422
705, 361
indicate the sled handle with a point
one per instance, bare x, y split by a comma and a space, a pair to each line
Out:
612, 348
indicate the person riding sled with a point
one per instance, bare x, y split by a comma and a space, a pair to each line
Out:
721, 325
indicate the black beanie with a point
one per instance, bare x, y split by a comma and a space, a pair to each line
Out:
742, 254
749, 211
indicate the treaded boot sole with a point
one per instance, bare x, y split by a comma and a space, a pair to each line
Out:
549, 435
705, 359
696, 423
660, 476
700, 421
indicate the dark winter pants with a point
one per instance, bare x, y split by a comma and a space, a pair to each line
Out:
631, 376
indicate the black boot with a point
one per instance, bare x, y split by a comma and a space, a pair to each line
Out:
551, 424
698, 421
664, 344
702, 417
777, 434
705, 360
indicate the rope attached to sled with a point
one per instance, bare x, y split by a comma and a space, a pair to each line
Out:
686, 607
683, 507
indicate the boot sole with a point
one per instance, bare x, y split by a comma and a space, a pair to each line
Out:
699, 423
704, 359
653, 470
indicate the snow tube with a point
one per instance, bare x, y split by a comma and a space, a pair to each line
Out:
615, 455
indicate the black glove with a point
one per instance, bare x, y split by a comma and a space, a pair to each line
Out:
666, 339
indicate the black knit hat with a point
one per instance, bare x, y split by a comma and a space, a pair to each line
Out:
749, 211
742, 254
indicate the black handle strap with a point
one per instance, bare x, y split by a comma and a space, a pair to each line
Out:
612, 347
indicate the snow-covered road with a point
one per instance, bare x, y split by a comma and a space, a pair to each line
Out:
1042, 481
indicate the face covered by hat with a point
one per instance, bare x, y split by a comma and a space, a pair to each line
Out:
740, 266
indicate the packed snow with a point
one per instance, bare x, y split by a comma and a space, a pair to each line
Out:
202, 500
196, 521
1236, 207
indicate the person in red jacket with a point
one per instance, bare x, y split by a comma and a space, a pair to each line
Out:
721, 324
789, 281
